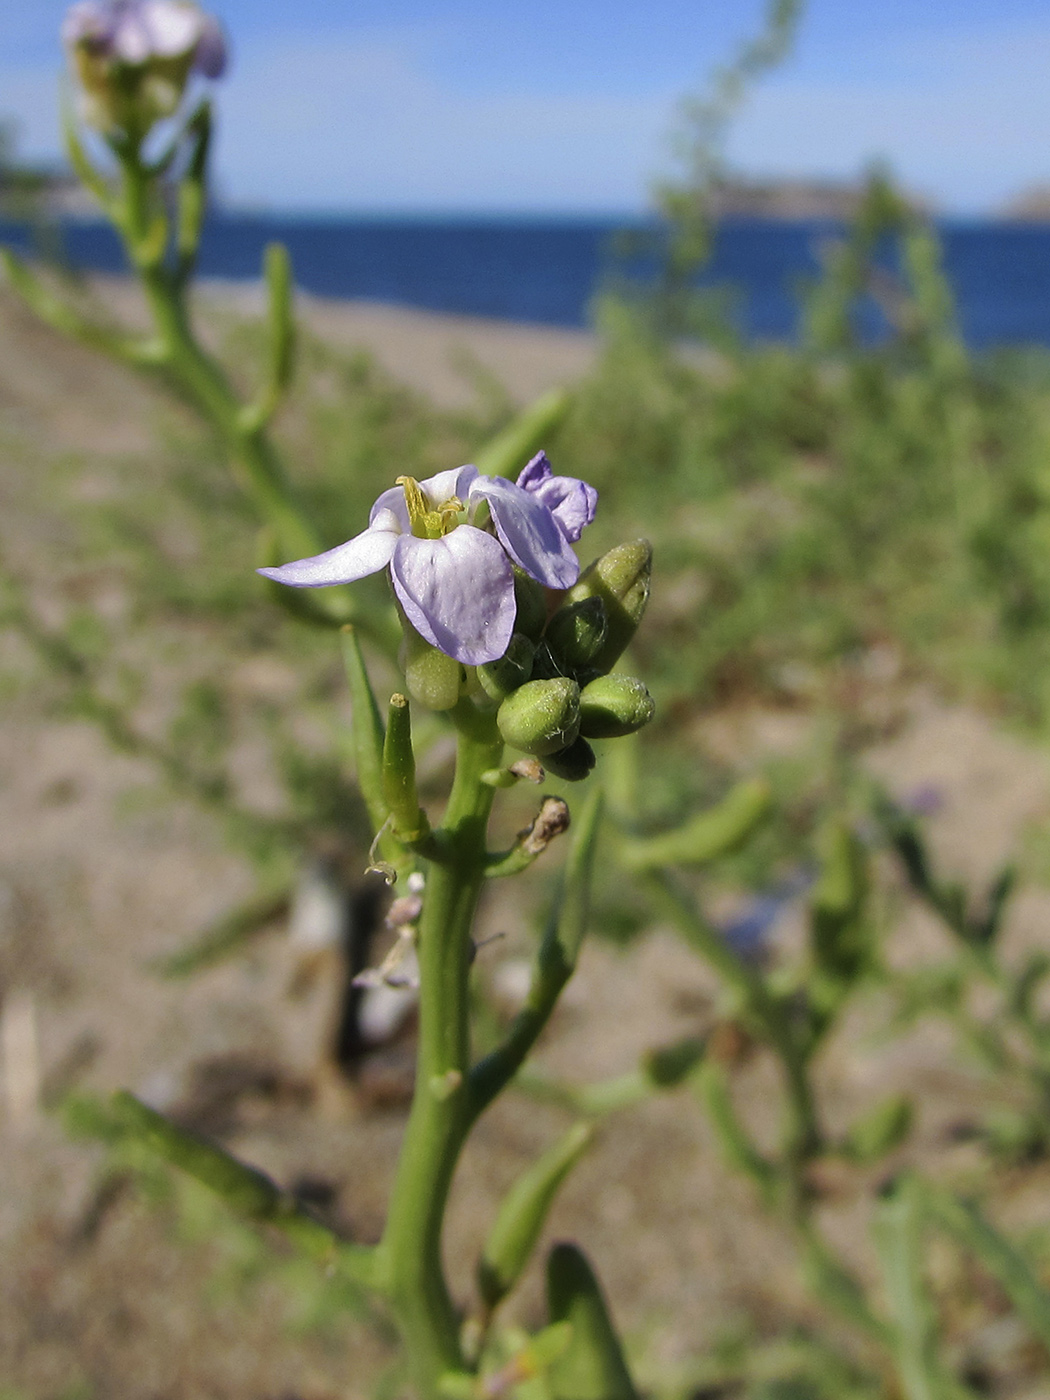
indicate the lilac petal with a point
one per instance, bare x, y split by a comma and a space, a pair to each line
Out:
529, 532
87, 21
457, 592
572, 502
533, 474
212, 53
393, 503
173, 28
457, 481
366, 553
130, 41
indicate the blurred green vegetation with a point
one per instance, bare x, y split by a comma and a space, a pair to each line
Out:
825, 516
830, 519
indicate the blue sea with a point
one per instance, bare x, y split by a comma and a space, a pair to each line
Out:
548, 271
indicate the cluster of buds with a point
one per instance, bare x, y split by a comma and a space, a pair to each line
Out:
133, 59
554, 685
476, 563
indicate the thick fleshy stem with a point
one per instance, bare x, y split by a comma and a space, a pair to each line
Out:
409, 1265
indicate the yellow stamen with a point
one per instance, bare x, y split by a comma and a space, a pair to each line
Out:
418, 508
427, 523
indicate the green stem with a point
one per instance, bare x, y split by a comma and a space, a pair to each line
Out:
410, 1264
256, 464
178, 355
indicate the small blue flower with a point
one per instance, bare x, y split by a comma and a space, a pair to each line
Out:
450, 543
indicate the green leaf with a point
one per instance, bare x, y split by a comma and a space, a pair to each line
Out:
840, 930
511, 449
368, 733
523, 1213
898, 1231
881, 1129
592, 1367
711, 834
193, 188
83, 168
968, 1224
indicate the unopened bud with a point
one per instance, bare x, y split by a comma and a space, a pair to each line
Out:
512, 670
531, 600
576, 633
431, 678
573, 763
541, 716
613, 706
621, 580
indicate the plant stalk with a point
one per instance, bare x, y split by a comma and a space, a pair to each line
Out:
410, 1266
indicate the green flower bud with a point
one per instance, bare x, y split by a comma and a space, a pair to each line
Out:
621, 580
544, 666
576, 633
531, 600
431, 678
613, 706
512, 670
541, 717
573, 763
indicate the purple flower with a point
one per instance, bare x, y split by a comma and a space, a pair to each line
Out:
136, 32
571, 502
450, 542
133, 58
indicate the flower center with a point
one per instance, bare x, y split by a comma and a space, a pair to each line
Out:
428, 521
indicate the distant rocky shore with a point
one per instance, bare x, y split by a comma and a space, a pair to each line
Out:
54, 193
1031, 206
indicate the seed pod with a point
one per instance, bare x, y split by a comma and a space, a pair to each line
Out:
512, 670
621, 580
613, 706
576, 633
573, 763
541, 717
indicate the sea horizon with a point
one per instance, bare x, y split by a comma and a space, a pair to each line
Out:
547, 270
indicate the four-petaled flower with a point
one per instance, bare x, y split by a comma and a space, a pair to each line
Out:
134, 32
134, 58
450, 543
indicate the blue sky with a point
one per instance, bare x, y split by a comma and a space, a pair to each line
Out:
568, 105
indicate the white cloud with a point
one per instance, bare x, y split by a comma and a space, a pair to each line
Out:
361, 124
